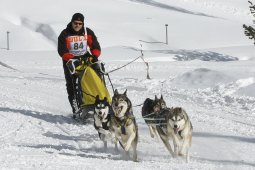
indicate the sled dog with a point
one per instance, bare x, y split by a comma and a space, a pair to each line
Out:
179, 129
123, 123
150, 112
102, 118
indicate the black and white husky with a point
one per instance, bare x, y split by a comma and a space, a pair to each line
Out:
123, 123
102, 119
151, 111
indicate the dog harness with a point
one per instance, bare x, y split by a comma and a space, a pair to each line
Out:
157, 118
123, 123
105, 124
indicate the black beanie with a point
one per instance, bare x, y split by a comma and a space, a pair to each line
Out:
77, 17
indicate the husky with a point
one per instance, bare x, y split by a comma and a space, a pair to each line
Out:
179, 129
102, 117
123, 123
150, 112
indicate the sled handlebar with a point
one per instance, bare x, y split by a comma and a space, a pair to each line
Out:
73, 63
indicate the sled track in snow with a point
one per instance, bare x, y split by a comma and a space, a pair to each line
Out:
11, 132
7, 66
77, 143
168, 7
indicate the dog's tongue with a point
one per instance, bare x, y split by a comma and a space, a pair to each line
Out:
119, 110
175, 130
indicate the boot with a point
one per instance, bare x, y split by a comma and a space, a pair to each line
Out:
75, 108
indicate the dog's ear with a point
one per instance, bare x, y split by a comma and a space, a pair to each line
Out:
125, 93
161, 97
156, 98
105, 99
179, 109
116, 92
97, 98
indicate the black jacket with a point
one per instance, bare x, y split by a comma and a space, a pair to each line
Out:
92, 42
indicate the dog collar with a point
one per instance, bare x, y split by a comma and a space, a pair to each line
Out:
129, 114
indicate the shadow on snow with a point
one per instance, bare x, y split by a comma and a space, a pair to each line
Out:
48, 117
235, 138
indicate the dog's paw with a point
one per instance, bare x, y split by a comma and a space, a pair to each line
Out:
108, 135
114, 140
126, 147
181, 154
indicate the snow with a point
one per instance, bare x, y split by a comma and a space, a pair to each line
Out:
207, 68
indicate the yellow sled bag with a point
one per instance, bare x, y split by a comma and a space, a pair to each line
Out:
91, 86
90, 83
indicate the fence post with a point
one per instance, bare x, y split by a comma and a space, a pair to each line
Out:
166, 34
8, 47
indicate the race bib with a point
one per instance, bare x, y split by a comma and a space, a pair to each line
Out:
77, 45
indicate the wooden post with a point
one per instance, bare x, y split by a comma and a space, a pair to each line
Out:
8, 47
166, 34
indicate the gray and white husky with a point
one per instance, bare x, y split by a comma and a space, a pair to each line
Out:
179, 129
151, 111
123, 123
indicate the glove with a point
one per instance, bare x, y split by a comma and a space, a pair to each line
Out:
72, 64
67, 56
92, 59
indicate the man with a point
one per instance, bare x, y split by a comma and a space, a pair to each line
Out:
73, 43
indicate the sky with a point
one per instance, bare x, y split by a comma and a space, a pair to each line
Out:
207, 68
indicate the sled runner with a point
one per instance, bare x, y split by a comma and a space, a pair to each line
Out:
88, 84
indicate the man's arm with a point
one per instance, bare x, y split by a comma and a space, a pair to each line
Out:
62, 49
93, 43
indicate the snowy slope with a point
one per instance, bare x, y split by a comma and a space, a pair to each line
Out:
207, 68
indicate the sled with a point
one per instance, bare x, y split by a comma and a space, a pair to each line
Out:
89, 83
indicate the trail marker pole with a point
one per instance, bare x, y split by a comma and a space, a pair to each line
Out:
166, 34
8, 47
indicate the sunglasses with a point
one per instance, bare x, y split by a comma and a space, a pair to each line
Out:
77, 23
